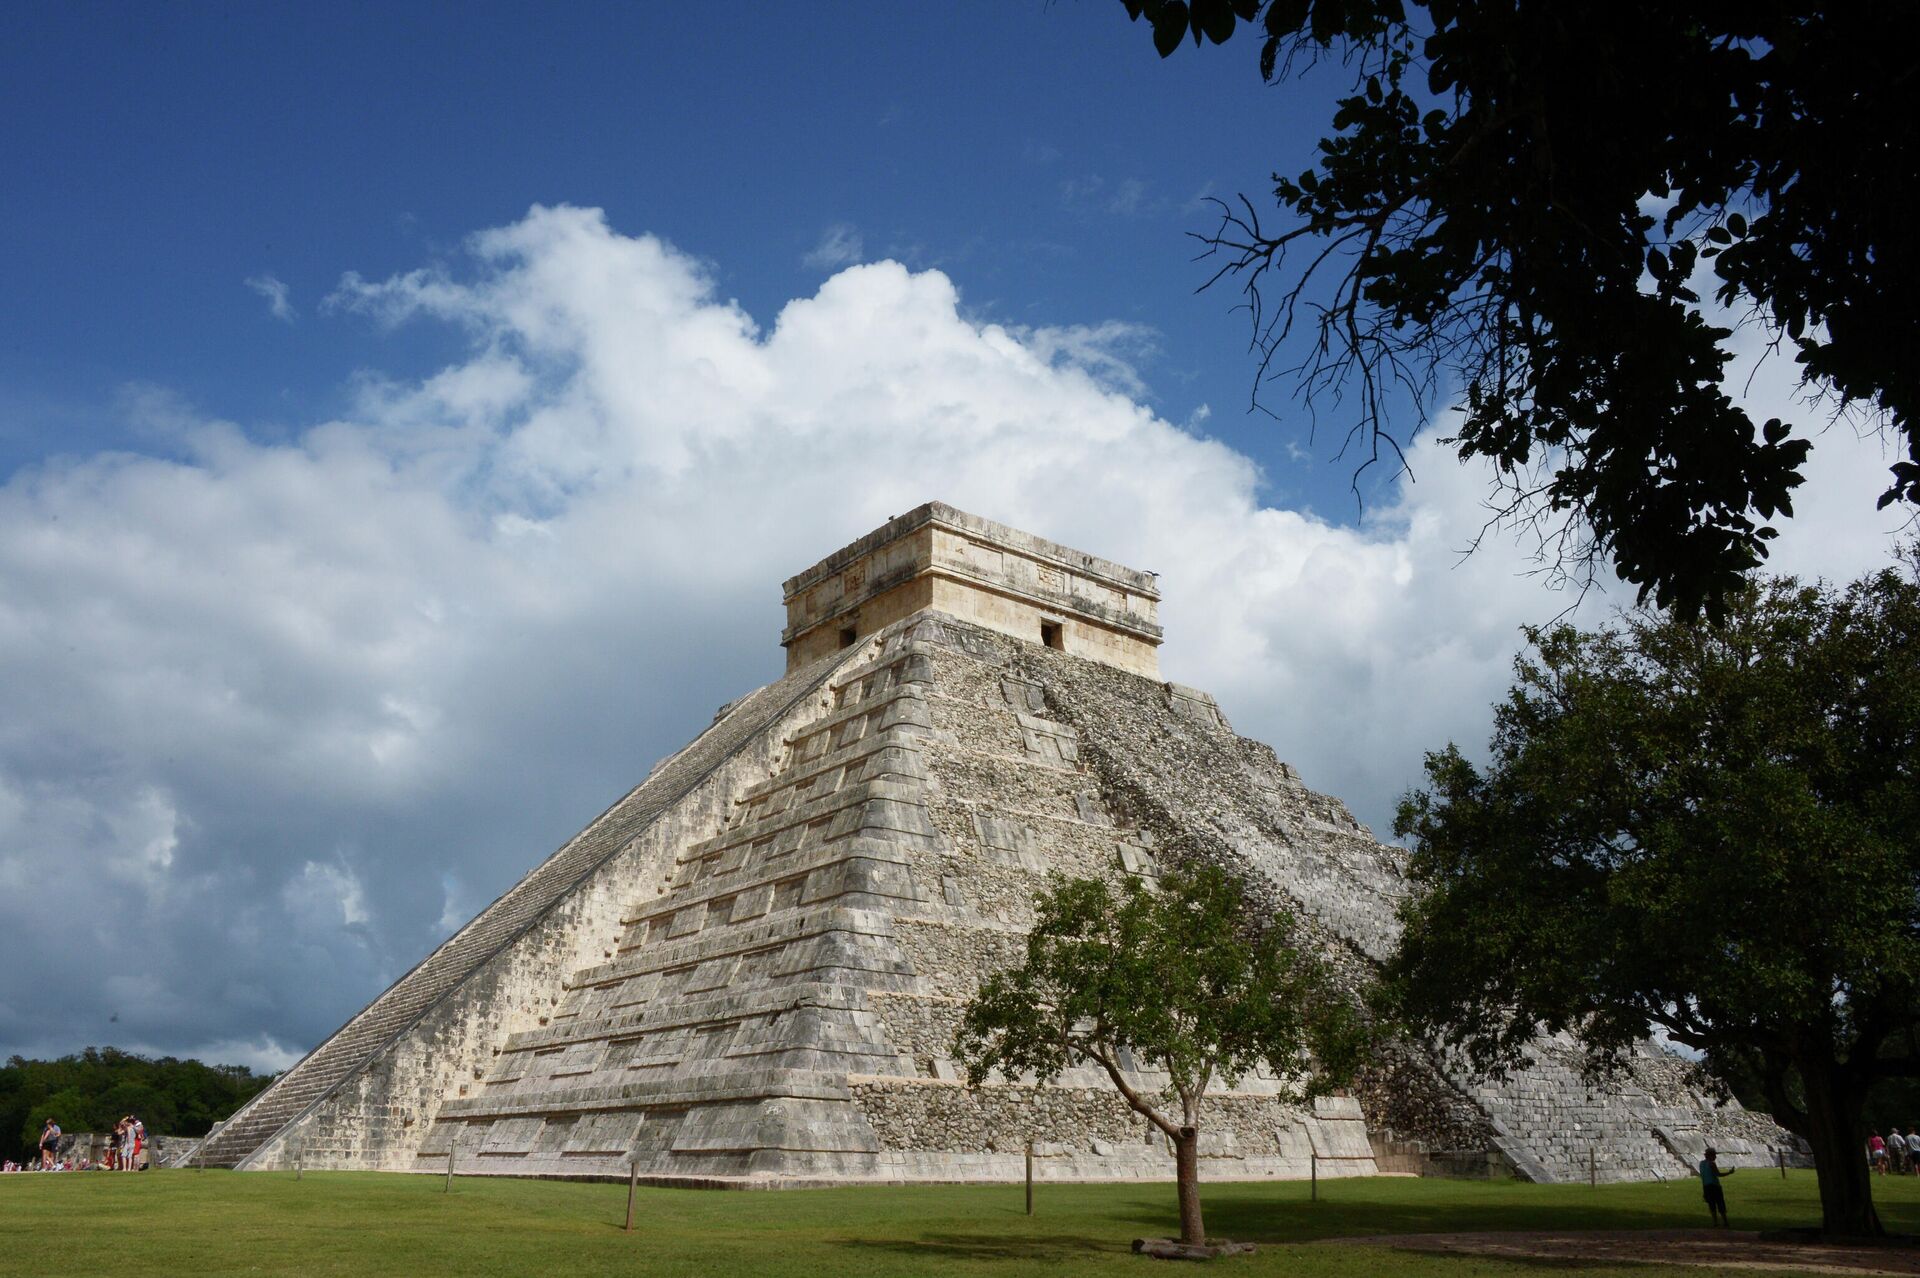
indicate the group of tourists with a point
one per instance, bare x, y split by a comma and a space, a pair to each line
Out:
1897, 1154
126, 1150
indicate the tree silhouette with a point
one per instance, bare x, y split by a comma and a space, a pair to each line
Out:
1515, 212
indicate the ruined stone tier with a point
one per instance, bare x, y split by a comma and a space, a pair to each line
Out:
973, 569
757, 962
750, 969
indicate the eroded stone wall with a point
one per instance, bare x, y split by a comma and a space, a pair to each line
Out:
1169, 761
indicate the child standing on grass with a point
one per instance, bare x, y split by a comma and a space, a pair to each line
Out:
1710, 1174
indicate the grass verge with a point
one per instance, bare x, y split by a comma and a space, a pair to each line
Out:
346, 1223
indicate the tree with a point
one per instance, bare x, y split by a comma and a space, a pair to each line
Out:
1182, 979
1705, 828
91, 1090
1516, 205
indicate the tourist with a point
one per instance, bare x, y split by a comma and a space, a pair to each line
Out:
1710, 1174
1913, 1151
139, 1131
113, 1148
1896, 1152
49, 1144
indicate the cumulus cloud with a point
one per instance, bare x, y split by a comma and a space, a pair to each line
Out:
840, 245
277, 716
1109, 352
279, 296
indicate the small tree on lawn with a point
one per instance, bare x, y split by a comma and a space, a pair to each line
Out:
1186, 980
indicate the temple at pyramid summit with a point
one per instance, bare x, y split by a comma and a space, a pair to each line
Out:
749, 969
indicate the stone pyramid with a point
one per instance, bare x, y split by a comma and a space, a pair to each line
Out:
749, 969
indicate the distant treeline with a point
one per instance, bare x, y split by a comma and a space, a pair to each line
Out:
90, 1091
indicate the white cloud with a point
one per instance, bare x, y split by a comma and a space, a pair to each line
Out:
296, 708
278, 295
262, 1054
1109, 352
456, 904
840, 245
326, 896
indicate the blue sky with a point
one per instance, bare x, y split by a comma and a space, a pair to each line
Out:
1041, 155
408, 414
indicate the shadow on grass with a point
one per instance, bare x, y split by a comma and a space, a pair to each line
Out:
1046, 1247
1068, 1250
1260, 1219
1473, 1261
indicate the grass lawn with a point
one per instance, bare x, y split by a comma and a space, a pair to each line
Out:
205, 1223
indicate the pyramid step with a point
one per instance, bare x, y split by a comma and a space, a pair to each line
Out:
461, 955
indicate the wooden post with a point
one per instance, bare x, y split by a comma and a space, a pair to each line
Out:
1313, 1170
1029, 1178
1593, 1167
1781, 1156
633, 1182
297, 1170
453, 1152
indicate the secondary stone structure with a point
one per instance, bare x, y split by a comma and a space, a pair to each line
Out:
749, 969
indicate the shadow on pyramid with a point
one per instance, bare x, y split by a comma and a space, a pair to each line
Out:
749, 970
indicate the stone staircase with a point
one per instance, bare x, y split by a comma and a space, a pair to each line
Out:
715, 1036
361, 1039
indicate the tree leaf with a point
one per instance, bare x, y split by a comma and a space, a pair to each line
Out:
1170, 27
1325, 21
1213, 17
1286, 17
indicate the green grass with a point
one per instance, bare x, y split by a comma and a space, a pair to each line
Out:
210, 1223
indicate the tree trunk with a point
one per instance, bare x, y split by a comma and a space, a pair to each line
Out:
1835, 1109
1186, 1154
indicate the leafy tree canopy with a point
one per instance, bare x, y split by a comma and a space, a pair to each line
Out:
1710, 829
92, 1090
1516, 200
1182, 980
